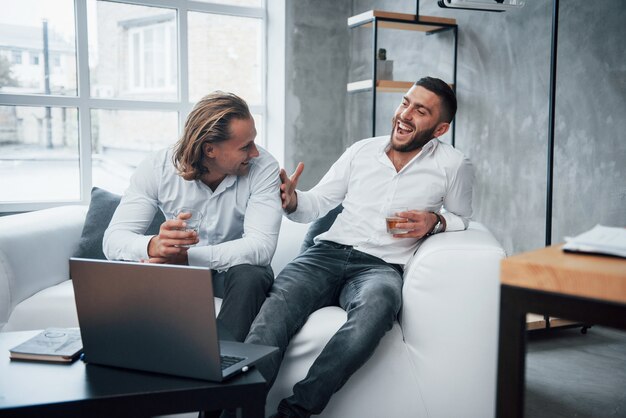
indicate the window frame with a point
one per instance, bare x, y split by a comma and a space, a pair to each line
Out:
85, 103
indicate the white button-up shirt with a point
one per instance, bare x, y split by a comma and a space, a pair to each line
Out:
241, 217
365, 181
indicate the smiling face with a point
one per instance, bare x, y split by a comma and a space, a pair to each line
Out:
417, 120
232, 157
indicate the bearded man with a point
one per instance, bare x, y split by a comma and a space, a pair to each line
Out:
357, 264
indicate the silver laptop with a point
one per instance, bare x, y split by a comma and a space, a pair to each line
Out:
157, 318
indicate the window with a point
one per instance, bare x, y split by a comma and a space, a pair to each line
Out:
141, 68
133, 51
17, 57
227, 60
152, 57
39, 154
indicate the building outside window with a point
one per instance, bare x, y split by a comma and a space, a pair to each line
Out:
17, 56
152, 55
104, 83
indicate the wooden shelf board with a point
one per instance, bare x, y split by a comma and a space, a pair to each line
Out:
558, 322
389, 86
535, 321
404, 26
364, 19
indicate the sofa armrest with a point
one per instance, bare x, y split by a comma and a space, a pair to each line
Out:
449, 316
34, 252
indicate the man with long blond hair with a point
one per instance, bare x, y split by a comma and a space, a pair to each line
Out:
217, 169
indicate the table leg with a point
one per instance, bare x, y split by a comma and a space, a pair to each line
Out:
251, 412
511, 355
254, 407
515, 302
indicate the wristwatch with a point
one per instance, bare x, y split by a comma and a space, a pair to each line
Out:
438, 226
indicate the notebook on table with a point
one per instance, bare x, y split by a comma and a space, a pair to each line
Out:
155, 317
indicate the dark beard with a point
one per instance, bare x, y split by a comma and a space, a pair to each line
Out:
418, 140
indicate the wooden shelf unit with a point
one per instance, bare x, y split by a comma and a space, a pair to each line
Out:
378, 19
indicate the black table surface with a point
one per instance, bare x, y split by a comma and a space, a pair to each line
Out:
29, 388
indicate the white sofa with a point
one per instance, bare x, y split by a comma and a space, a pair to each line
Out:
439, 360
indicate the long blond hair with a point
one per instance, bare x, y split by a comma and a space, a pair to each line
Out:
209, 121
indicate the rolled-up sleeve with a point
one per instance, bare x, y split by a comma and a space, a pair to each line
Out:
457, 203
124, 239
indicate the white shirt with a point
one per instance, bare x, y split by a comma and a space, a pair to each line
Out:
241, 217
366, 182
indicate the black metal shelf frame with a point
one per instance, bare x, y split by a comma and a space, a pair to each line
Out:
551, 116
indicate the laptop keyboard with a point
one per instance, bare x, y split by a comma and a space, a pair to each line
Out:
228, 361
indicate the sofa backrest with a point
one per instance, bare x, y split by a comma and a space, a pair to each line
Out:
34, 249
289, 242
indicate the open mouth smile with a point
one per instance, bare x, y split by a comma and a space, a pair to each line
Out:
403, 128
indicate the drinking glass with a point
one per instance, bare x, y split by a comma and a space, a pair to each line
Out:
193, 223
392, 219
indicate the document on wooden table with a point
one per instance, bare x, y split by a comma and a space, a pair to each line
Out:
62, 345
599, 240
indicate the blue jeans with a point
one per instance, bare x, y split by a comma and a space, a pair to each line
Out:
366, 287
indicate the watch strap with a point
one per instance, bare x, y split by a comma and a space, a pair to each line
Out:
438, 225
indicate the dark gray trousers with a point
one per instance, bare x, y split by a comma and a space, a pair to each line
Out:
243, 289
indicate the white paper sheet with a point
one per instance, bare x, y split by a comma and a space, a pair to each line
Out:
600, 239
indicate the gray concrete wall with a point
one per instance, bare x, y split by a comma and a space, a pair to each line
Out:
317, 57
503, 92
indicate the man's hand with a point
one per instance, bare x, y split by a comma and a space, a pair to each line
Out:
169, 247
288, 188
419, 223
178, 259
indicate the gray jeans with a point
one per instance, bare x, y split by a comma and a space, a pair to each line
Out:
327, 274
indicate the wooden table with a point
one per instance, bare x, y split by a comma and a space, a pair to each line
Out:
580, 287
37, 389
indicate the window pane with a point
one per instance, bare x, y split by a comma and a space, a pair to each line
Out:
248, 3
24, 57
38, 154
133, 52
260, 130
225, 54
121, 139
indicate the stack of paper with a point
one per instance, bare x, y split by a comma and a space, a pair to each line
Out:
600, 239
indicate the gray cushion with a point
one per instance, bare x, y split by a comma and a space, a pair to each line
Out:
101, 208
319, 226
